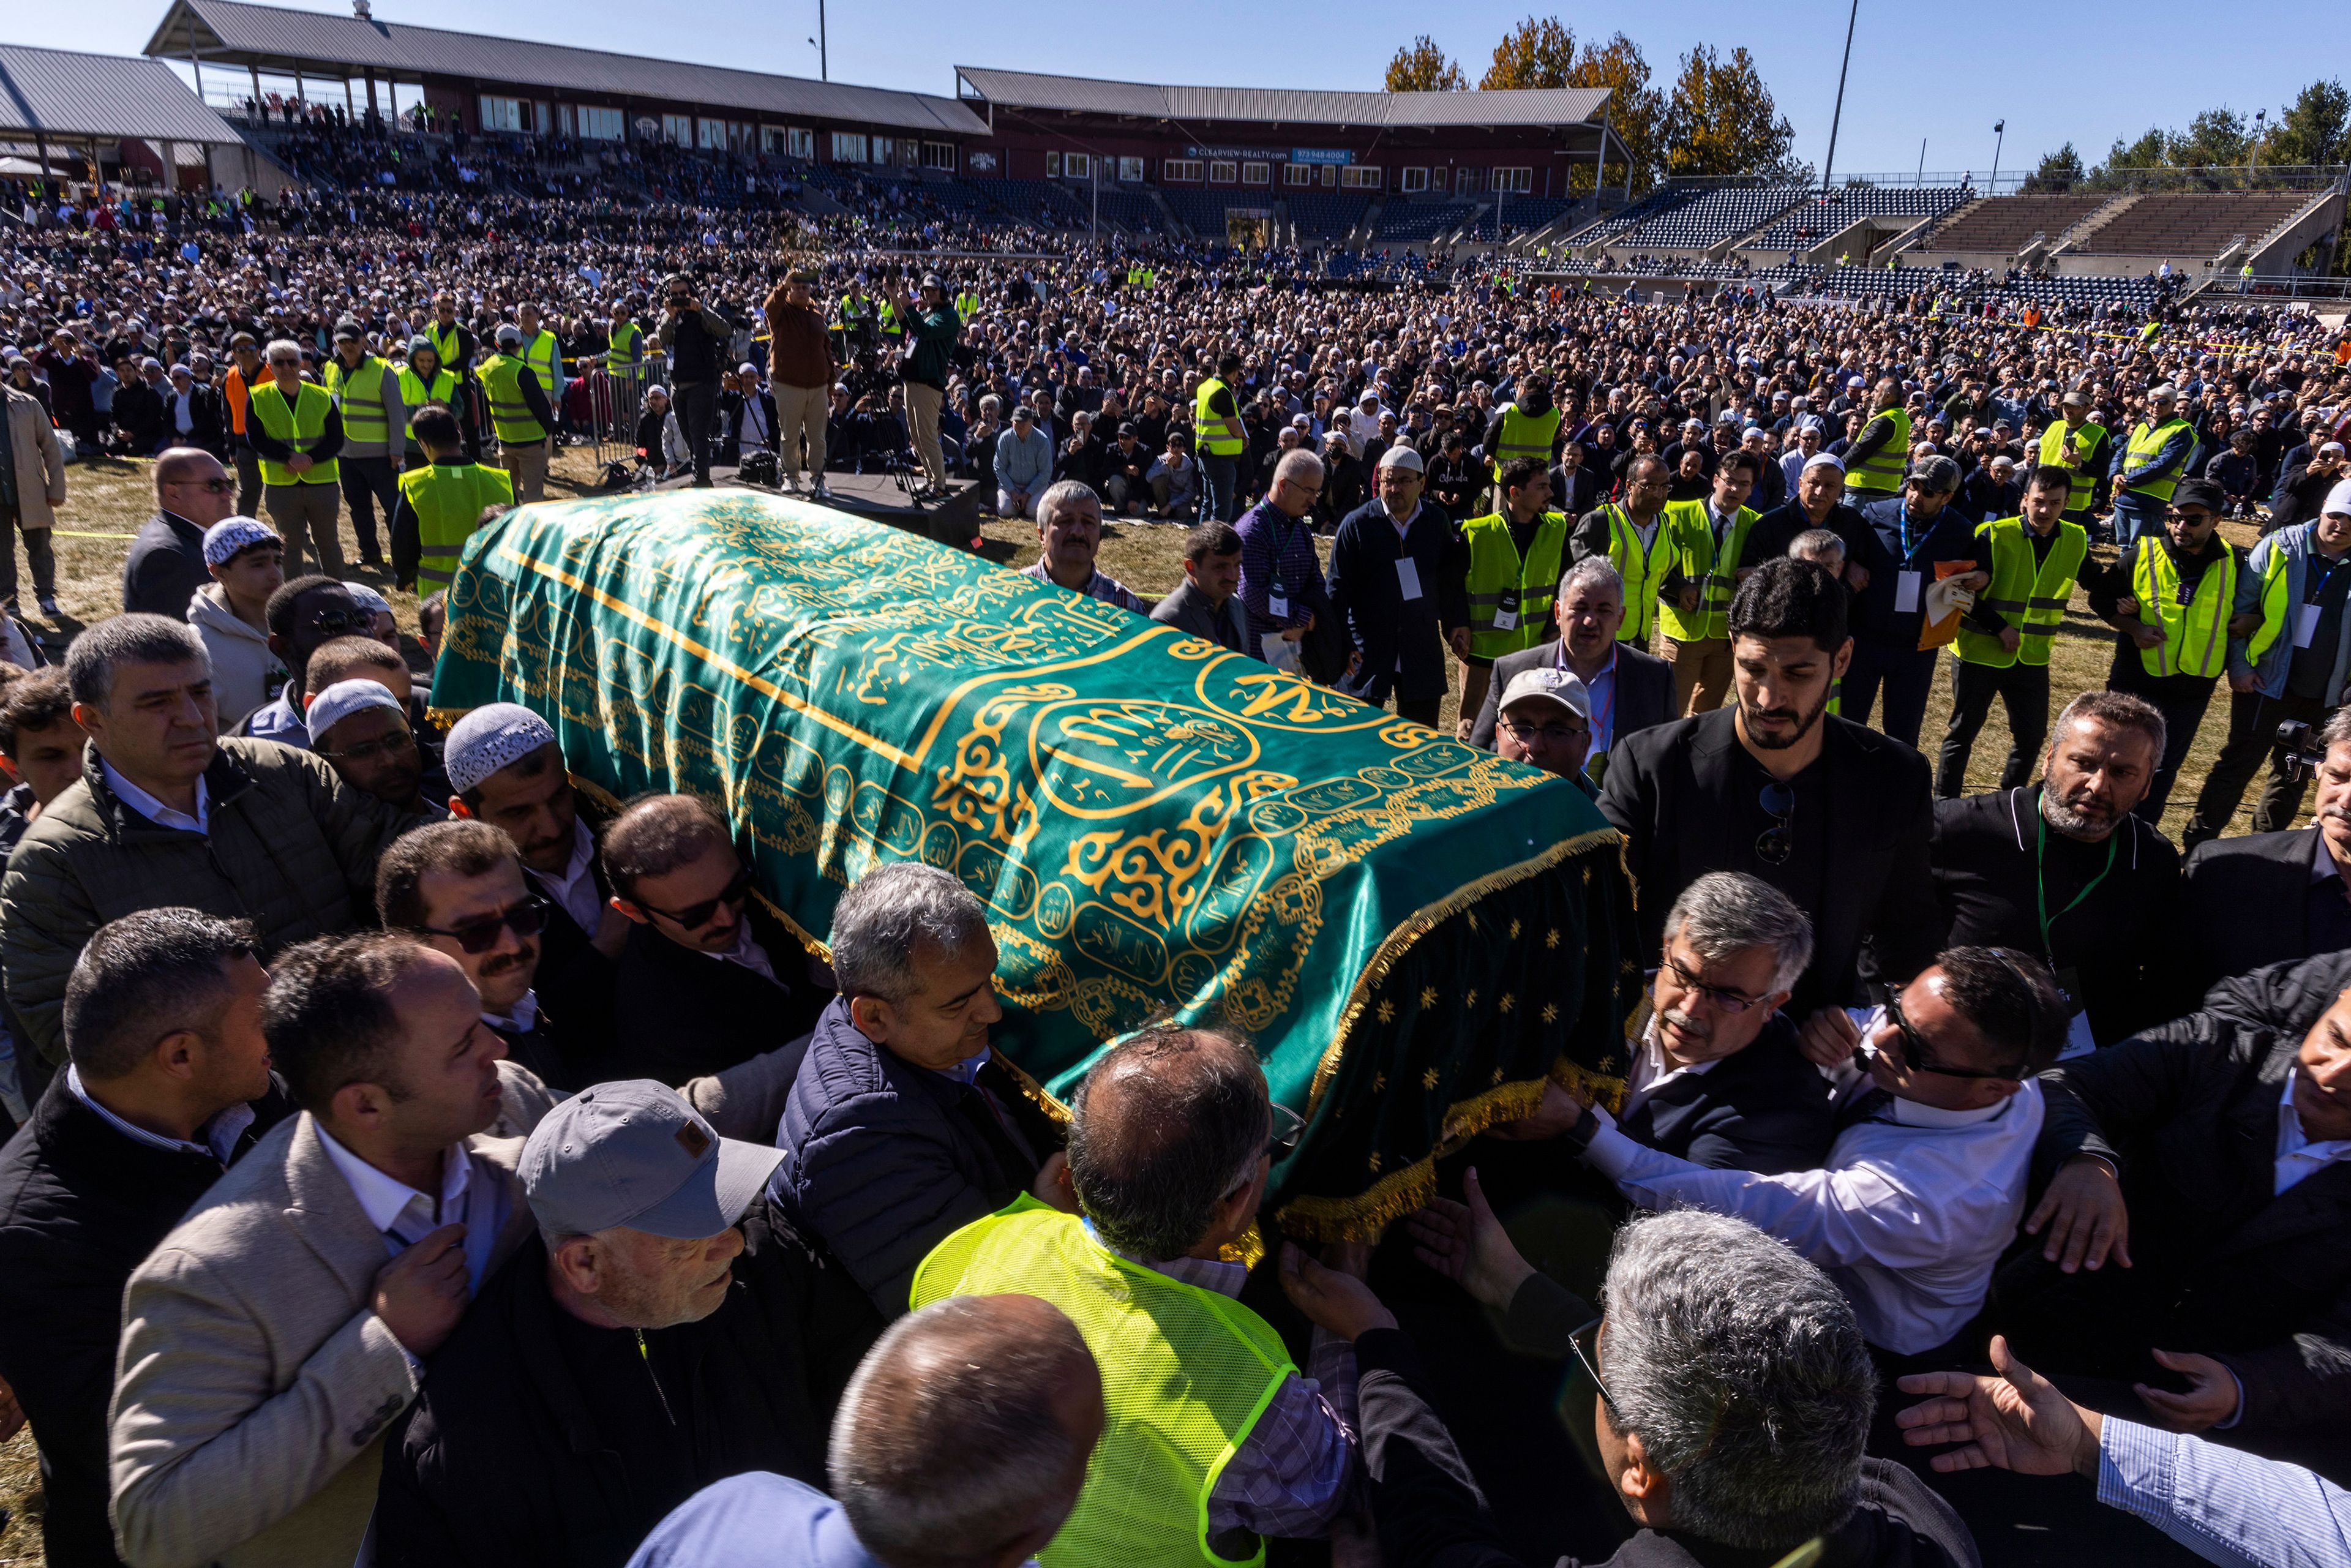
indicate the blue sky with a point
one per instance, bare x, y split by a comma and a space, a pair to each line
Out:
1944, 73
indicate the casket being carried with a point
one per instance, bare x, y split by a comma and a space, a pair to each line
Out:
1413, 933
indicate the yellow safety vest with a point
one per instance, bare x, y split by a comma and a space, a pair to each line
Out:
1642, 569
444, 343
416, 392
623, 339
1219, 437
359, 390
967, 305
1882, 476
2195, 636
2052, 453
544, 355
510, 416
448, 499
1718, 580
2144, 443
2030, 594
1511, 597
1186, 1374
1524, 435
302, 427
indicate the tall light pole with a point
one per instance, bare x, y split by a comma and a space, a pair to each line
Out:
2261, 122
1828, 164
2000, 133
824, 66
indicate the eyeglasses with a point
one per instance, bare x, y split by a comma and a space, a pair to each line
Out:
1591, 1366
526, 920
1777, 841
1915, 1053
335, 623
1729, 1001
1289, 1127
218, 486
393, 744
694, 916
1557, 734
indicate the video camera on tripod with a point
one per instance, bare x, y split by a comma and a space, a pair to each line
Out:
2303, 751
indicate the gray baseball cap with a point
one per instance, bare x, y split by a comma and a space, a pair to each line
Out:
634, 1154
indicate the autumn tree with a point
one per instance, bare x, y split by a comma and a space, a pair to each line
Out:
1722, 120
1635, 113
1538, 52
1421, 67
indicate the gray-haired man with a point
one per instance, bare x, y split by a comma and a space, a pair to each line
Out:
1913, 542
903, 1125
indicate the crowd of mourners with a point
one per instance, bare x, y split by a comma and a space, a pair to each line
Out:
422, 1158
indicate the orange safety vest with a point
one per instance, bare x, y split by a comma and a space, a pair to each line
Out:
234, 391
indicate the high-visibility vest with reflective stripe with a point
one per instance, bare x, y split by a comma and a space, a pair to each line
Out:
2196, 634
1717, 579
1496, 569
415, 392
1219, 437
2275, 568
2144, 443
1524, 435
544, 355
448, 499
2053, 453
967, 305
1642, 569
359, 392
2029, 594
624, 339
302, 426
444, 343
510, 416
1185, 1374
1881, 475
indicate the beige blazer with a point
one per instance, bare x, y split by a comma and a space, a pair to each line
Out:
253, 1385
40, 461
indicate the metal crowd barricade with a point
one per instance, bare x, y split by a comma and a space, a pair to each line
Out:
616, 393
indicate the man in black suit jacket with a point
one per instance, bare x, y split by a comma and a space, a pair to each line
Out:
704, 983
1716, 1075
2204, 1164
2264, 898
1835, 816
1630, 690
1397, 594
170, 1083
1208, 604
165, 566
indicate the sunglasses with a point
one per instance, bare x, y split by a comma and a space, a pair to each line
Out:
217, 487
1915, 1052
526, 920
1287, 1128
1591, 1368
335, 623
1777, 841
694, 916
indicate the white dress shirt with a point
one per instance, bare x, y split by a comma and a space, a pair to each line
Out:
220, 1133
575, 889
522, 1018
747, 952
1908, 1214
476, 1199
2297, 1157
154, 811
1650, 1073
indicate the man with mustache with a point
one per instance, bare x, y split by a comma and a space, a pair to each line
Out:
2196, 1237
1834, 815
2062, 869
2266, 898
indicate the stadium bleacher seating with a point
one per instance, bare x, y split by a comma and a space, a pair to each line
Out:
2006, 225
2192, 225
1657, 202
1326, 215
1411, 222
1047, 203
1816, 218
1518, 214
1202, 212
1713, 217
1133, 211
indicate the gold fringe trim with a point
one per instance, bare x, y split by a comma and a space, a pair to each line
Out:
1036, 1092
445, 718
1409, 932
1401, 1192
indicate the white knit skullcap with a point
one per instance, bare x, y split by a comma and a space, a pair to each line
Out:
493, 736
344, 699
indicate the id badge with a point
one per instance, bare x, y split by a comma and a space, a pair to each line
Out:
1408, 577
1277, 601
1906, 591
2306, 624
2079, 1041
1505, 613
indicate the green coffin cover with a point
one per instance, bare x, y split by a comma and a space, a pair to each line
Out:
1414, 933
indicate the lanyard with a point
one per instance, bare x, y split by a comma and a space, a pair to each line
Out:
2040, 880
2316, 594
1901, 525
1275, 521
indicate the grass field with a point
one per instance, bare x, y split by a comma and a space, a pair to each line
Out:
107, 501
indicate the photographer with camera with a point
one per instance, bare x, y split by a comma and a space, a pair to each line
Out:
695, 337
931, 328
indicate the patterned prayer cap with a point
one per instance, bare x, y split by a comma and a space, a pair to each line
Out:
493, 736
344, 699
222, 540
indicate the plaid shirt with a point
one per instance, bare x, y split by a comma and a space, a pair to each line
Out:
1109, 589
1262, 528
1295, 1473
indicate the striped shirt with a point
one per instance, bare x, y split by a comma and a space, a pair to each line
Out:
2225, 1506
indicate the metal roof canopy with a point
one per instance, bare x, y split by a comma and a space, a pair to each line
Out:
65, 95
1552, 108
281, 40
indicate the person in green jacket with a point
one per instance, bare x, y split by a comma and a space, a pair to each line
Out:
935, 327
